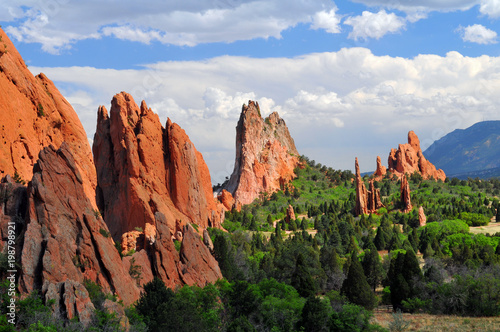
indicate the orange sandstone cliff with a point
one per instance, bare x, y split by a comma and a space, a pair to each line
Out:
35, 115
150, 177
265, 155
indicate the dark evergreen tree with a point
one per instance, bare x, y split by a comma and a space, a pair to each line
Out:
355, 287
302, 280
315, 315
372, 266
223, 253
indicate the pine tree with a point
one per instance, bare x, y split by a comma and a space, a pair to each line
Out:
372, 266
302, 280
379, 240
355, 287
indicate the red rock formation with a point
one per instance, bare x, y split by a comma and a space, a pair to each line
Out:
367, 201
151, 183
65, 241
290, 214
226, 199
143, 168
266, 155
374, 200
361, 193
408, 158
13, 203
381, 170
405, 195
35, 115
422, 219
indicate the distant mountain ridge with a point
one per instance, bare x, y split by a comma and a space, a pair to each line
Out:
468, 151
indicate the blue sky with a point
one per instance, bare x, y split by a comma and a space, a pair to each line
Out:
350, 78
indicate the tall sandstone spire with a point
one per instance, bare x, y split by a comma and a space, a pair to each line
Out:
266, 155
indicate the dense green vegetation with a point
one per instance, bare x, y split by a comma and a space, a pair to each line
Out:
328, 269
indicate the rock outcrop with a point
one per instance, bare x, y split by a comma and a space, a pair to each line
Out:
35, 115
266, 155
290, 214
422, 219
408, 159
381, 171
65, 241
405, 195
153, 183
226, 199
143, 168
367, 201
361, 193
13, 205
374, 199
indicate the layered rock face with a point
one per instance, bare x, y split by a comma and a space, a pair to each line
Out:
143, 168
266, 155
422, 219
408, 158
381, 171
367, 201
35, 115
65, 241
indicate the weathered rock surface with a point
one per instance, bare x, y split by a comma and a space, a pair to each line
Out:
408, 158
35, 115
143, 168
405, 195
422, 219
290, 214
65, 241
266, 155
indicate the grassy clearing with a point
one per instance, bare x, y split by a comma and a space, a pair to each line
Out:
425, 322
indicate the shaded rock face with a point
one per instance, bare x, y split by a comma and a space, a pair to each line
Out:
405, 195
367, 201
65, 241
143, 168
13, 205
408, 158
265, 155
35, 115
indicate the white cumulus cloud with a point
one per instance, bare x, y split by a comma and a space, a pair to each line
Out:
478, 34
329, 21
374, 25
490, 8
58, 24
